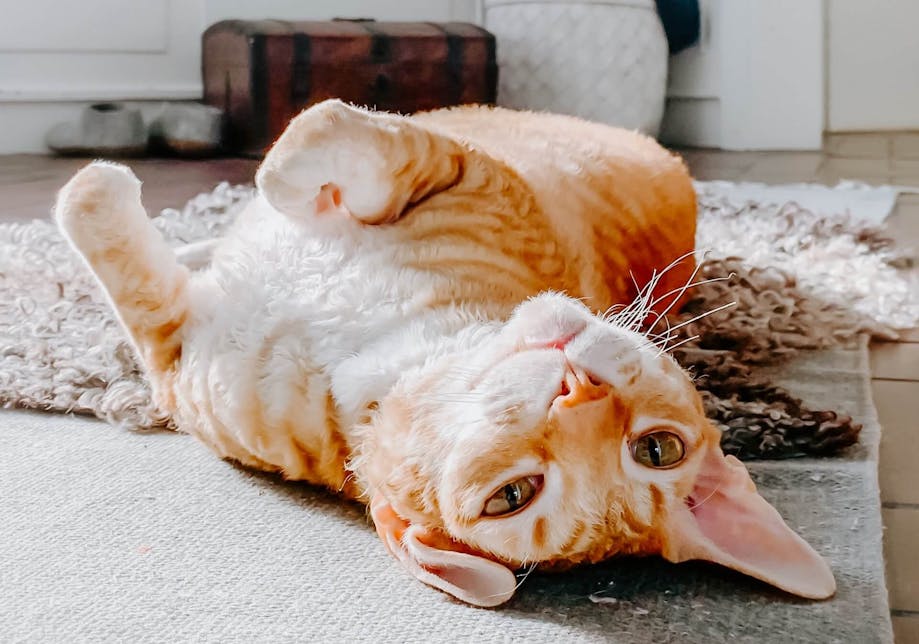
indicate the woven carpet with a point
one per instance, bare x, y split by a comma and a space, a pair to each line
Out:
111, 535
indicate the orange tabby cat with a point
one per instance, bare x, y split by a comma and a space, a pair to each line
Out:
386, 319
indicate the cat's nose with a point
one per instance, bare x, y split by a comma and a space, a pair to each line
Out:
579, 387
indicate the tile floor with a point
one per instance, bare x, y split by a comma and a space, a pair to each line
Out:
28, 184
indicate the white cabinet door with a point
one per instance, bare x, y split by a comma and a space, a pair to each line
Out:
756, 80
873, 65
99, 49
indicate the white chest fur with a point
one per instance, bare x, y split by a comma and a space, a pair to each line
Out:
297, 320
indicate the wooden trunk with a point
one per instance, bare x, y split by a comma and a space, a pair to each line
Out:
262, 73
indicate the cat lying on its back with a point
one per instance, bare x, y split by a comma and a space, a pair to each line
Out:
385, 319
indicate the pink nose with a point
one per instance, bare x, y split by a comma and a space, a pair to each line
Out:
578, 387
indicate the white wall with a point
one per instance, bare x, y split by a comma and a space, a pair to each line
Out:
873, 60
435, 10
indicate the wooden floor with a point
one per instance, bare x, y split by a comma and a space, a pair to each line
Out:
28, 185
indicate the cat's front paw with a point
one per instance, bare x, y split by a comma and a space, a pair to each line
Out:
97, 202
97, 189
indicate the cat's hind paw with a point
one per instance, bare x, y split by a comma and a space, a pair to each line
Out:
329, 156
373, 164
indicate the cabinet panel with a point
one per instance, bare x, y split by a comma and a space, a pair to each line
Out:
84, 26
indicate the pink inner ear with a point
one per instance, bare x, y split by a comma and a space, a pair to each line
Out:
727, 522
469, 577
440, 562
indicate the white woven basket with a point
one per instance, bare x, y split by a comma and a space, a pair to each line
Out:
604, 60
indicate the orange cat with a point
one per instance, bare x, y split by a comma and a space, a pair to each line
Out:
386, 319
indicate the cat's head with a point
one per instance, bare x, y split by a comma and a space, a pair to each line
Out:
564, 438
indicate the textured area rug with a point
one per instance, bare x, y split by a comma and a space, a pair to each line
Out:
115, 535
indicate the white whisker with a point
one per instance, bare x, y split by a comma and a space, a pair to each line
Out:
633, 315
679, 292
713, 493
525, 576
703, 315
678, 344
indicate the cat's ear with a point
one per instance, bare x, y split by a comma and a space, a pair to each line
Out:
441, 562
726, 521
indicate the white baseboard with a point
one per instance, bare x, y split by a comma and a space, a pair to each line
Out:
95, 93
692, 122
702, 123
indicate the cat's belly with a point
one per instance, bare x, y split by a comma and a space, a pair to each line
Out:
300, 329
264, 403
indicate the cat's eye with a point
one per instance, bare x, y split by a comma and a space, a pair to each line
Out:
658, 449
513, 496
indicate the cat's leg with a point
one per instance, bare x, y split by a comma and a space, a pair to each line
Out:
100, 211
196, 255
374, 164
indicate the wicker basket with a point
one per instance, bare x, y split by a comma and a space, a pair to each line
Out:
604, 60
